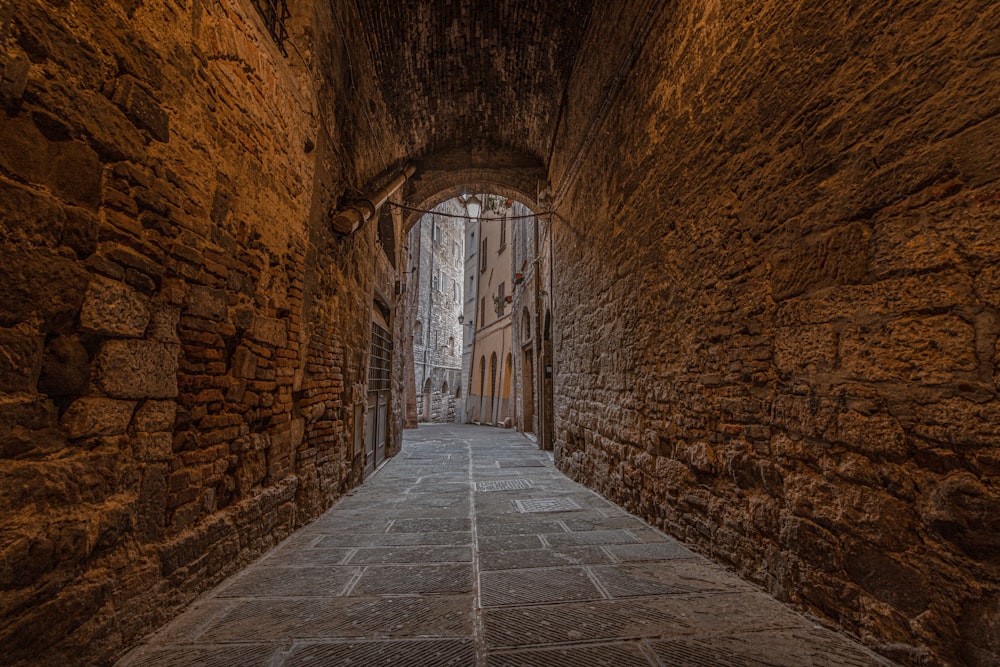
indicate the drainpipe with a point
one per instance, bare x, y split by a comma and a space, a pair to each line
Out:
358, 213
539, 364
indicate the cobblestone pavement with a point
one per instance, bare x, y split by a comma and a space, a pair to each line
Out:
471, 548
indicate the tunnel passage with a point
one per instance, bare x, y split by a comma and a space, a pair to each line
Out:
774, 296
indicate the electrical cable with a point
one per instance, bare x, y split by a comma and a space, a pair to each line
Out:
462, 217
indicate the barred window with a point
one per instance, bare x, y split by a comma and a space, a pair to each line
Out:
275, 13
380, 366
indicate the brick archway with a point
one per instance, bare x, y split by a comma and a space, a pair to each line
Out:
444, 176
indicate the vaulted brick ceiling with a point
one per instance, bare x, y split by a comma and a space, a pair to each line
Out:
488, 74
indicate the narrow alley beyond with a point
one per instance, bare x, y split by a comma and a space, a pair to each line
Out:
471, 548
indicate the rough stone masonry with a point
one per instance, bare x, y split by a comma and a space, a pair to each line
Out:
176, 388
775, 296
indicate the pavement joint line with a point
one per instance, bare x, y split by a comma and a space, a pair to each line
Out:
597, 582
647, 651
353, 581
284, 649
478, 630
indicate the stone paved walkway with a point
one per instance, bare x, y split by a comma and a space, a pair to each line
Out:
470, 548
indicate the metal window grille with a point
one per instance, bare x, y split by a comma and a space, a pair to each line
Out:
275, 13
380, 366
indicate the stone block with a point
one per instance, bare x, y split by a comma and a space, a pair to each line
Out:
270, 331
93, 416
130, 258
838, 257
163, 323
31, 412
911, 244
141, 108
250, 470
151, 502
20, 360
15, 77
30, 443
42, 284
807, 348
24, 151
155, 416
30, 216
153, 447
988, 286
206, 303
926, 350
876, 435
75, 173
65, 367
886, 298
699, 455
138, 369
112, 308
244, 364
886, 578
965, 512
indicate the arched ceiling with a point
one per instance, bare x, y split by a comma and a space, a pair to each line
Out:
473, 76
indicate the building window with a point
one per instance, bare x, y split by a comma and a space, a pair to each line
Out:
482, 258
482, 312
454, 250
436, 280
499, 301
275, 13
434, 230
503, 232
380, 360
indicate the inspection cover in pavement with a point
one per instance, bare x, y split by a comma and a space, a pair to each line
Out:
618, 655
546, 505
503, 485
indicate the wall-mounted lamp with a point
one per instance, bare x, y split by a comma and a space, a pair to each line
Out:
461, 319
474, 207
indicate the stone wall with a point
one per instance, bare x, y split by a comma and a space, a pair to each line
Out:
181, 338
776, 301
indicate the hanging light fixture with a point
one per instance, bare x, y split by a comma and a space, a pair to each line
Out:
473, 206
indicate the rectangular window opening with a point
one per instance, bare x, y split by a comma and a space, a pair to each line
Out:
275, 13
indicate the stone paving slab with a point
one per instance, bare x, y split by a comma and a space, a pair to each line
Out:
470, 548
